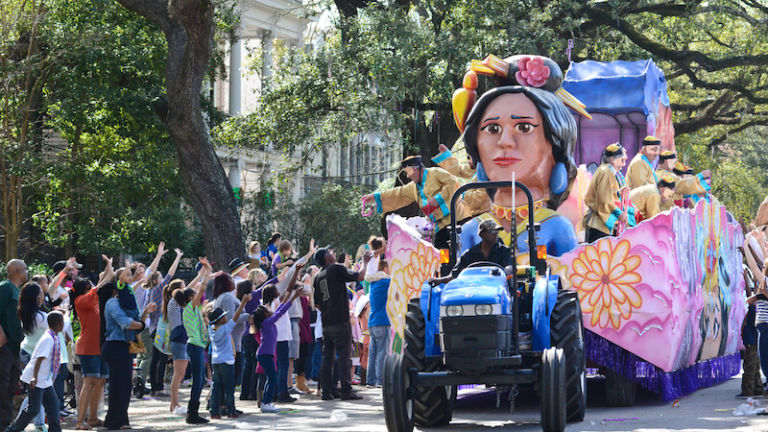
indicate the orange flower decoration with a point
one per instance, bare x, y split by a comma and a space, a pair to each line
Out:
408, 276
604, 276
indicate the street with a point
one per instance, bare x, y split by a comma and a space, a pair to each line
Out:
707, 409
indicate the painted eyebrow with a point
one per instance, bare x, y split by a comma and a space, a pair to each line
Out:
514, 117
491, 118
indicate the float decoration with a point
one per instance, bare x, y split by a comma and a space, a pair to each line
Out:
628, 101
674, 281
524, 70
411, 262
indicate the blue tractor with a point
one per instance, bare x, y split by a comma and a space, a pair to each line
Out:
493, 326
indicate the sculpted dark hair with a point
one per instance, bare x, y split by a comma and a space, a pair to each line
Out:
560, 129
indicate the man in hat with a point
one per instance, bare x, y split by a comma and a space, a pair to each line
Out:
431, 188
331, 299
640, 171
649, 199
684, 184
489, 249
238, 269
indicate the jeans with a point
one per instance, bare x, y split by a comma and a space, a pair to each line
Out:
762, 330
10, 370
267, 363
337, 338
157, 369
120, 362
238, 367
58, 384
249, 379
282, 367
40, 417
223, 389
38, 397
197, 365
317, 358
377, 353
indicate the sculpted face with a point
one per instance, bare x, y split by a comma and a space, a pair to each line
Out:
511, 139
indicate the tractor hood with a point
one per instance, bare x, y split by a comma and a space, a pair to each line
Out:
477, 285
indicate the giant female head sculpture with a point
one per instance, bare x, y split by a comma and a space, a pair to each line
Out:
522, 125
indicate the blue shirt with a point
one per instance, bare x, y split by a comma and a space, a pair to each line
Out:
556, 233
117, 321
221, 343
378, 298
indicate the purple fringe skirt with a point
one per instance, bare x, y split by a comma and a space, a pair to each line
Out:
670, 385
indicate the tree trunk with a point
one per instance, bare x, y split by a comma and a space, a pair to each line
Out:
189, 29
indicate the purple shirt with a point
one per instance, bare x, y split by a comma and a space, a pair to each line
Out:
269, 331
256, 297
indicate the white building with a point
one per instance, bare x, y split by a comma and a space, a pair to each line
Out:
263, 22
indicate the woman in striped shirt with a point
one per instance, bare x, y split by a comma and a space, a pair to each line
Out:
197, 332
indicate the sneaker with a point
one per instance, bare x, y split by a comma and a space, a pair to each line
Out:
269, 408
370, 386
41, 429
233, 416
351, 396
295, 391
66, 413
215, 417
286, 398
180, 410
327, 396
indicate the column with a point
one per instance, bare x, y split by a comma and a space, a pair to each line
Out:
235, 75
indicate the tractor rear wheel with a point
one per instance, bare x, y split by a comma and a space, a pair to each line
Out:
552, 390
431, 405
567, 332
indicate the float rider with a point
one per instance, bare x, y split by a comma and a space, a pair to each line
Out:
431, 188
474, 201
640, 171
695, 185
606, 210
649, 200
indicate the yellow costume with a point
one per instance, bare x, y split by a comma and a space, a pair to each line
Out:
447, 161
474, 201
693, 185
640, 172
601, 199
435, 183
647, 200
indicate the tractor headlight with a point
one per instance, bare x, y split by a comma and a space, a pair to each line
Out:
455, 310
483, 309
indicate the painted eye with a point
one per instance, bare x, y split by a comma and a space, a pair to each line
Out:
524, 128
492, 129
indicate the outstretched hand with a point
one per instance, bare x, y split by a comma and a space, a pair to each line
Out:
161, 250
442, 148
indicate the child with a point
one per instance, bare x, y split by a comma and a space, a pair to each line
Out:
223, 360
39, 374
264, 320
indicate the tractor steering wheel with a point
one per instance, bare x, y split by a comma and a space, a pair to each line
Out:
485, 263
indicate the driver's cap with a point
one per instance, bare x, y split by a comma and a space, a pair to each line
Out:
488, 226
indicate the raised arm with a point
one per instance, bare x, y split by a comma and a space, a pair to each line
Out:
109, 272
160, 252
175, 265
246, 298
202, 278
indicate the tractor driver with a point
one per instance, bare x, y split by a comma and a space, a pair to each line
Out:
489, 249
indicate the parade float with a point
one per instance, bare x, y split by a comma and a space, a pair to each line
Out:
663, 302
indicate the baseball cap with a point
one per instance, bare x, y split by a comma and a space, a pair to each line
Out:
488, 225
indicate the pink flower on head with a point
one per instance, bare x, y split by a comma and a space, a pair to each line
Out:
532, 72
